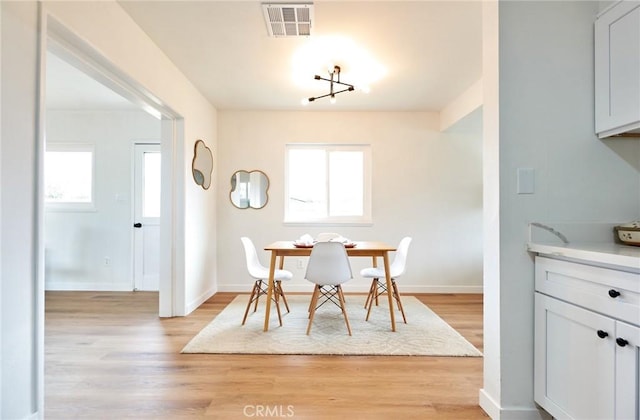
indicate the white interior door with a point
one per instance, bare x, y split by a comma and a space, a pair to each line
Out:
146, 242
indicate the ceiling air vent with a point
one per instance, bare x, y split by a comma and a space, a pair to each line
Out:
290, 19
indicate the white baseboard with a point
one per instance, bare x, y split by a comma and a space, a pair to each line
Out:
355, 288
440, 289
88, 287
496, 412
194, 304
489, 405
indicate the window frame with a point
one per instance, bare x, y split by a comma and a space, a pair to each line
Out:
365, 219
73, 205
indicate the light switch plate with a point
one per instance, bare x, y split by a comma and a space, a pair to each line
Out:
526, 180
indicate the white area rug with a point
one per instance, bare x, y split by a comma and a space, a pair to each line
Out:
425, 334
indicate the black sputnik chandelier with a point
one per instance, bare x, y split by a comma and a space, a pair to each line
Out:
334, 85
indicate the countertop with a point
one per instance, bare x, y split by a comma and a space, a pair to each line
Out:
607, 253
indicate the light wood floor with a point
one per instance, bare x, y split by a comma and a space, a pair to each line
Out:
109, 356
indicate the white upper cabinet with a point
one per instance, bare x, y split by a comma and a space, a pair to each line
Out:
617, 70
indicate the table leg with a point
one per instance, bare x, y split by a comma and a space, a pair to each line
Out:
272, 270
389, 290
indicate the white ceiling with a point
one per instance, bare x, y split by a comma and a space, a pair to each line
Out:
69, 88
430, 52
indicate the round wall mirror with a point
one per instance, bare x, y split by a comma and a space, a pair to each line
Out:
202, 164
249, 189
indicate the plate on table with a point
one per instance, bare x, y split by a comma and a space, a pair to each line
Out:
348, 243
303, 245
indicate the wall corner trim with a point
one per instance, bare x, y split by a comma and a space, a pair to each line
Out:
496, 412
462, 106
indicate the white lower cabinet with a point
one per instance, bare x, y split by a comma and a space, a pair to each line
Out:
627, 371
587, 362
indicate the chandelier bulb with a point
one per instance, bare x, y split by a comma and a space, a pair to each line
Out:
332, 99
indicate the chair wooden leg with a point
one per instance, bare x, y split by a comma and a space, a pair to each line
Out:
366, 302
315, 290
370, 295
344, 308
276, 298
284, 298
258, 286
398, 301
246, 312
374, 296
314, 301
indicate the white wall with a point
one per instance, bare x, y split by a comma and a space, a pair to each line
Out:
19, 398
1, 220
546, 122
426, 184
112, 32
77, 242
106, 27
490, 394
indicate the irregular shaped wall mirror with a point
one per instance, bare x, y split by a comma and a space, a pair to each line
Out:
249, 189
202, 164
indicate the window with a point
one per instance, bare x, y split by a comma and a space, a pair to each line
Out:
151, 185
327, 183
68, 176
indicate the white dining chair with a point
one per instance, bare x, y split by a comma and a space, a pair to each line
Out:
379, 282
328, 268
261, 275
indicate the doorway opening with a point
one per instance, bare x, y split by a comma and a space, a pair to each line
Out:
59, 44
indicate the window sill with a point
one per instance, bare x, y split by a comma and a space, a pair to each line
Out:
70, 208
328, 223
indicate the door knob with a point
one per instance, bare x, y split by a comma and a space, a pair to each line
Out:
602, 334
614, 293
137, 225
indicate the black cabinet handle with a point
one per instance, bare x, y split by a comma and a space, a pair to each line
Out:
139, 225
621, 342
602, 334
614, 293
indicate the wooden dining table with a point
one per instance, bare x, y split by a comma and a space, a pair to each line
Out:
373, 249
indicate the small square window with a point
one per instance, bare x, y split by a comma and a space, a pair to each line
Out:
328, 184
69, 176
